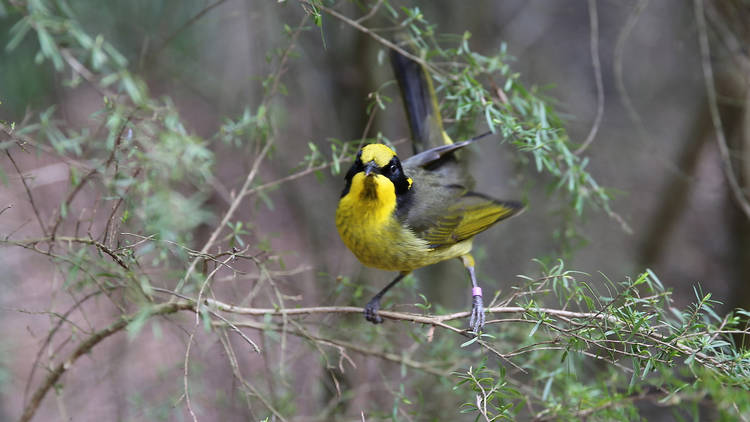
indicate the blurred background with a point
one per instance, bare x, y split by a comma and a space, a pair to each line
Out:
655, 147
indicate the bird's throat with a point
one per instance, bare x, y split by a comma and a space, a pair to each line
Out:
369, 189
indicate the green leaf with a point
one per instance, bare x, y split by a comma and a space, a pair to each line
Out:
535, 327
470, 342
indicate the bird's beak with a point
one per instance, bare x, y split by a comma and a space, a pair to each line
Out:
370, 168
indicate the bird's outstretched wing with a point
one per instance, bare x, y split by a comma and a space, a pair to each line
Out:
432, 155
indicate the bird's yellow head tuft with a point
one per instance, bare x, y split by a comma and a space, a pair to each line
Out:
378, 153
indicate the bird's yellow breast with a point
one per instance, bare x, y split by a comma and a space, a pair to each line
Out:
367, 223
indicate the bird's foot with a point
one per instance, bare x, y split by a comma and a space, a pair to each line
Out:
371, 312
476, 322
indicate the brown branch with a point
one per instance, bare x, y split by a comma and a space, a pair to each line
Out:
6, 208
68, 200
371, 13
86, 346
108, 229
30, 243
61, 318
440, 321
186, 368
22, 141
88, 75
435, 320
392, 357
72, 194
250, 389
405, 316
28, 193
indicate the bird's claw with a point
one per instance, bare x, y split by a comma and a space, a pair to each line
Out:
476, 322
371, 312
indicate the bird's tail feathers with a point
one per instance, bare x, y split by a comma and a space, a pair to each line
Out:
420, 102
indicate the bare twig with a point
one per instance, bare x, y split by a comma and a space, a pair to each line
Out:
72, 194
440, 321
594, 45
84, 347
250, 389
61, 319
376, 37
365, 350
28, 193
708, 77
31, 243
371, 13
186, 365
245, 189
187, 24
6, 208
192, 336
89, 76
618, 67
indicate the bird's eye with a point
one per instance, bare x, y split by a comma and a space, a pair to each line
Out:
392, 168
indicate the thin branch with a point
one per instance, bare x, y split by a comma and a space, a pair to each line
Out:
85, 347
341, 159
6, 208
245, 189
186, 365
31, 243
187, 24
250, 389
440, 321
72, 194
364, 350
371, 13
618, 67
405, 316
28, 193
22, 141
229, 213
594, 45
61, 319
89, 76
708, 77
372, 34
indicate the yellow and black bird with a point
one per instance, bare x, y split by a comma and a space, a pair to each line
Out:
403, 215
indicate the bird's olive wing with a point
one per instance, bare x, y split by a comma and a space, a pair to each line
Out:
472, 214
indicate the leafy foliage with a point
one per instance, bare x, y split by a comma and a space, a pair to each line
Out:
520, 114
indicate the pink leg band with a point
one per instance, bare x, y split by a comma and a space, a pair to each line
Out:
476, 291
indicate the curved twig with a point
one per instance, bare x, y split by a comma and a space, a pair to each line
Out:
85, 347
594, 19
721, 140
28, 193
245, 189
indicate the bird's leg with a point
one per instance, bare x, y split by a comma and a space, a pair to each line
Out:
476, 322
372, 307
